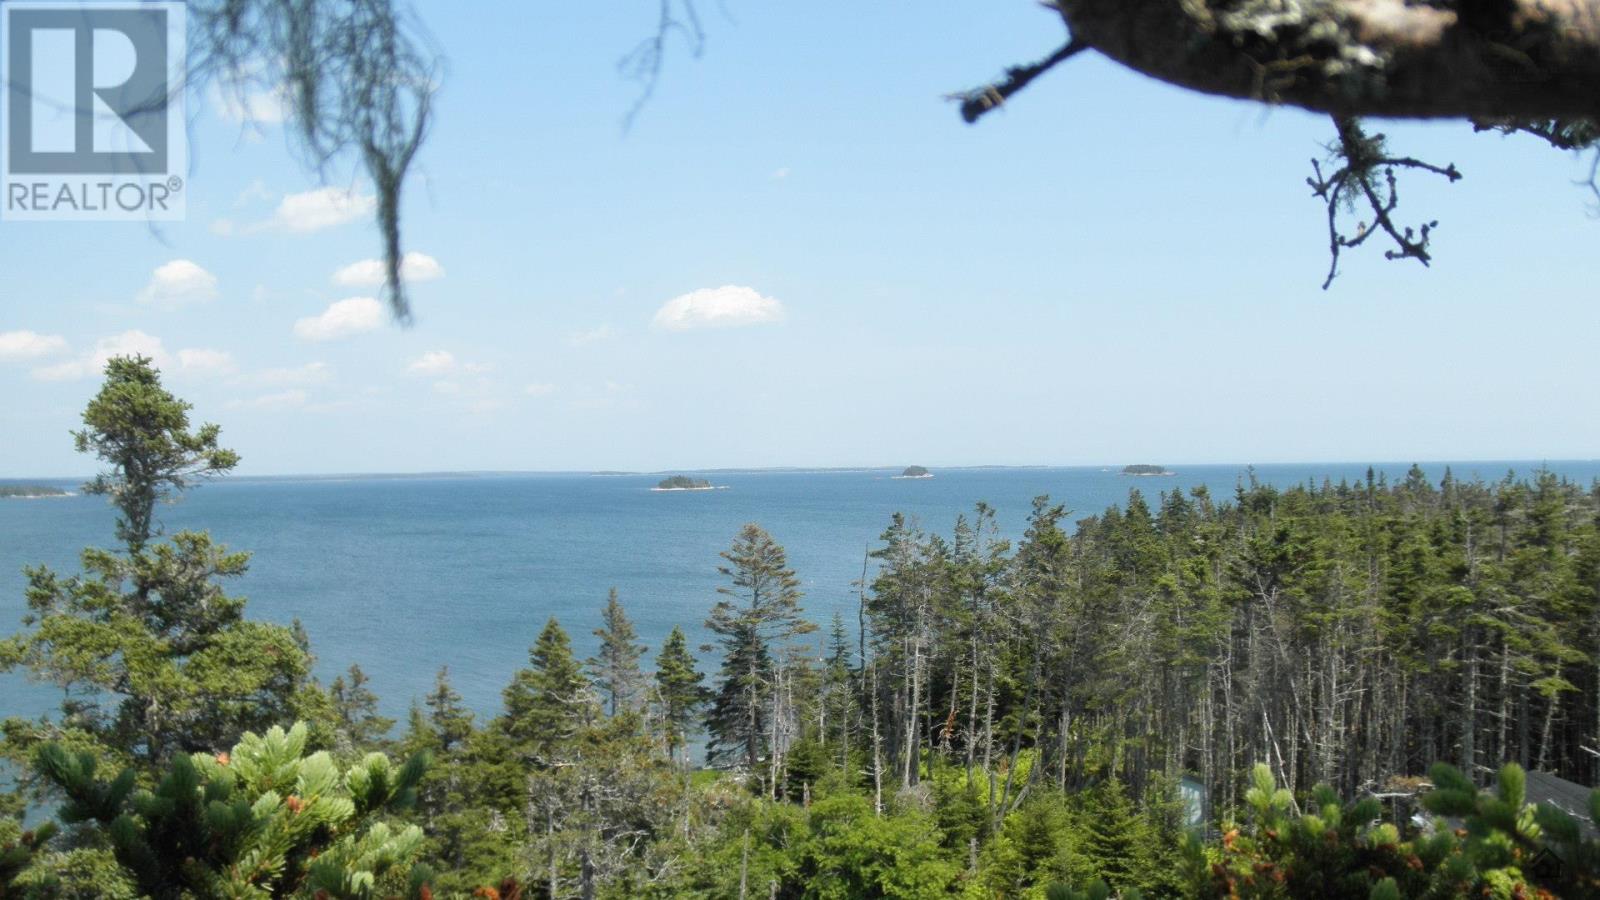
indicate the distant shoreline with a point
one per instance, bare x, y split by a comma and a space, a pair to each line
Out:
1484, 466
32, 492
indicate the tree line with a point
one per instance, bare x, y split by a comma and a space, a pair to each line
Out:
1002, 719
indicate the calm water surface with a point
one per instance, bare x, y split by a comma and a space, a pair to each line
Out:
406, 574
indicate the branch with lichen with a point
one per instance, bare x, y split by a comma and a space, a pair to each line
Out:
643, 63
356, 77
1365, 177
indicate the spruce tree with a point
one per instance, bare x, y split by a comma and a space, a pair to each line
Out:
760, 610
548, 702
616, 666
1115, 841
838, 687
451, 721
680, 692
355, 707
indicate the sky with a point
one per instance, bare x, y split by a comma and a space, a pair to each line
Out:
798, 255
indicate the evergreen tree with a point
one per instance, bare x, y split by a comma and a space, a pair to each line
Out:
838, 688
615, 667
134, 424
264, 820
548, 702
680, 692
1115, 843
153, 656
451, 721
760, 609
358, 725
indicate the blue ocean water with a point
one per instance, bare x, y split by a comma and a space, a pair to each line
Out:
405, 574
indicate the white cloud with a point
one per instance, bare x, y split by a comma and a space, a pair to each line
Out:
590, 336
187, 361
128, 343
443, 362
724, 307
310, 373
199, 361
341, 319
414, 268
25, 346
539, 390
434, 362
322, 208
781, 174
301, 213
177, 283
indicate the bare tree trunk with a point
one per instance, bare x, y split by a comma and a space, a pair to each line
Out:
1544, 733
550, 839
744, 867
877, 748
972, 708
914, 720
1469, 730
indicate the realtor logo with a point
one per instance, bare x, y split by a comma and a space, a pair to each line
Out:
92, 126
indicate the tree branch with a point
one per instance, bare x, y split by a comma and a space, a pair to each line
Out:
1387, 58
975, 103
1355, 182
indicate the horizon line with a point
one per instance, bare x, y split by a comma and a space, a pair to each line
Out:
1174, 468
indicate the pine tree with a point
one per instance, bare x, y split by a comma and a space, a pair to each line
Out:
616, 666
680, 692
548, 702
143, 432
154, 656
264, 820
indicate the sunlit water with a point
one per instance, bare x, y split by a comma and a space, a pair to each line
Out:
403, 575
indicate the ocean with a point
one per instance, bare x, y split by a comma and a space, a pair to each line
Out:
405, 574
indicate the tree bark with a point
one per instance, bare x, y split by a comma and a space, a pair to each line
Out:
1539, 59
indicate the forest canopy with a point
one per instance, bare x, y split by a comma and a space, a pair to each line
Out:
1326, 667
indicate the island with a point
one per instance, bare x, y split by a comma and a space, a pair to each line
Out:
915, 472
683, 483
1146, 469
30, 491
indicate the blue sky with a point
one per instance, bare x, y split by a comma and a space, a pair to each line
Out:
1108, 270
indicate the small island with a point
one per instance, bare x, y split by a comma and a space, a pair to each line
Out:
1146, 469
915, 472
683, 483
30, 491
